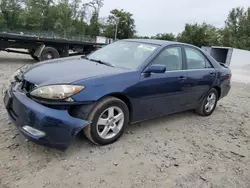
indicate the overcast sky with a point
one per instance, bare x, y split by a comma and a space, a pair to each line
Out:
165, 16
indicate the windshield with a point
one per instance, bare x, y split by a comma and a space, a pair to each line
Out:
125, 54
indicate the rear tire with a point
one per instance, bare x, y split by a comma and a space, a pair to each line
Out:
107, 126
208, 104
49, 53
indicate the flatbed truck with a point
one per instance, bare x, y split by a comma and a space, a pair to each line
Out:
45, 48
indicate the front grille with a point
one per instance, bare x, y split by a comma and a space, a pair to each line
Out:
27, 86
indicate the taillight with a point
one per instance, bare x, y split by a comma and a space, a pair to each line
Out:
228, 76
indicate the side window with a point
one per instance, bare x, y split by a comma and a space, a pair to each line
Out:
171, 57
195, 59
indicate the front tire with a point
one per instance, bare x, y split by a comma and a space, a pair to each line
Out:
208, 104
108, 119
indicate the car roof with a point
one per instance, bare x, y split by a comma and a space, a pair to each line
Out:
156, 42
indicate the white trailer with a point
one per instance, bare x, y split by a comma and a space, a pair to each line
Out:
103, 40
238, 60
233, 57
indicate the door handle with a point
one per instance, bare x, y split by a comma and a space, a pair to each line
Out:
212, 75
182, 78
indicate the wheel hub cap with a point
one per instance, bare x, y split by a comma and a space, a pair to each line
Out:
110, 122
48, 56
210, 102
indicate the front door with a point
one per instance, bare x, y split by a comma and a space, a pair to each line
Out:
163, 93
201, 75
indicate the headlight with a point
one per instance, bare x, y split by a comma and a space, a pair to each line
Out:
56, 92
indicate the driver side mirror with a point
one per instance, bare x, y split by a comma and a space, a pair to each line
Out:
156, 68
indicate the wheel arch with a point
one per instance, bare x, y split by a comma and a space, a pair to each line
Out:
88, 107
218, 89
123, 98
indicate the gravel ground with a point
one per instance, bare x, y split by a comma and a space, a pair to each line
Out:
181, 150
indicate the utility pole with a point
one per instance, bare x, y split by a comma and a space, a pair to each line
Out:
116, 28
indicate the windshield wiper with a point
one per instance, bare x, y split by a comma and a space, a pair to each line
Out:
100, 62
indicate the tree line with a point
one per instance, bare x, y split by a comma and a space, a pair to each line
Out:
235, 33
65, 17
78, 17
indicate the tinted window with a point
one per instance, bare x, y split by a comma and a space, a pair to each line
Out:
195, 59
124, 54
170, 57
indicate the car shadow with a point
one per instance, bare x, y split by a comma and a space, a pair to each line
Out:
160, 121
82, 143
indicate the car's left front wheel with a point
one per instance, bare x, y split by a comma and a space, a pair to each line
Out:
108, 119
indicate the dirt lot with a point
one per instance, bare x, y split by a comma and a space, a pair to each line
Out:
181, 150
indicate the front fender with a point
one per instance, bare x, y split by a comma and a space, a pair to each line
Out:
99, 87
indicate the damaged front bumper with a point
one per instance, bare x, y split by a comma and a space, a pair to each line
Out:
41, 124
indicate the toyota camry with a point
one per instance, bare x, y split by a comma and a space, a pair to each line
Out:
122, 83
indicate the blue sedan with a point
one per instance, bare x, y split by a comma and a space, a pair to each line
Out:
122, 83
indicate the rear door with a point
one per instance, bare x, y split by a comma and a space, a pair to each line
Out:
200, 75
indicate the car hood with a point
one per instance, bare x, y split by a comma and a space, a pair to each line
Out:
67, 70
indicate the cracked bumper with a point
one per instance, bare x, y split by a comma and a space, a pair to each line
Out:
59, 127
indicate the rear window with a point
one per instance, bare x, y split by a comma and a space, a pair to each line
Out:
196, 60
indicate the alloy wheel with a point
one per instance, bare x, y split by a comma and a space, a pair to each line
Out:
110, 122
210, 102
